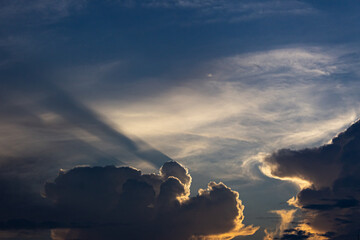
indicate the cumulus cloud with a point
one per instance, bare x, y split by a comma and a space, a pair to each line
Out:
330, 205
254, 102
113, 203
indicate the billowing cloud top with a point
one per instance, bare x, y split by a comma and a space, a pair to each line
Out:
121, 202
331, 203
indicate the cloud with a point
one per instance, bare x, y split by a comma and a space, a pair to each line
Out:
229, 117
113, 203
287, 217
254, 102
46, 129
44, 11
295, 235
230, 11
331, 204
43, 116
24, 234
305, 63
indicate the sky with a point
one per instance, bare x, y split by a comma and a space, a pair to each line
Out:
179, 119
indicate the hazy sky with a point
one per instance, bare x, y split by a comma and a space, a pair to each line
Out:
217, 85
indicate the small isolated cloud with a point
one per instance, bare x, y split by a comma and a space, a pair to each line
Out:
330, 204
295, 235
287, 217
123, 203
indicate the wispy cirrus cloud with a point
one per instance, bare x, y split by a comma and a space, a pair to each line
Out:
45, 10
229, 11
245, 104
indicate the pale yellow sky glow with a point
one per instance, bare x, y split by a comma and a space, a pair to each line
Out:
231, 106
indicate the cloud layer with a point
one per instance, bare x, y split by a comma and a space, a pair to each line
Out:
230, 11
251, 103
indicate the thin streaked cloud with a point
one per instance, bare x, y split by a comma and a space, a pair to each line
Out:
251, 103
229, 11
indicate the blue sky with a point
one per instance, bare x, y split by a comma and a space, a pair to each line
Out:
214, 85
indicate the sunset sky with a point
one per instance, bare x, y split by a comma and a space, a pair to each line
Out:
240, 114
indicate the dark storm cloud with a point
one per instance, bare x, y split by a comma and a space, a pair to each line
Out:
122, 203
331, 203
293, 234
43, 130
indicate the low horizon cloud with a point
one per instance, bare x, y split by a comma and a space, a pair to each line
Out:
120, 202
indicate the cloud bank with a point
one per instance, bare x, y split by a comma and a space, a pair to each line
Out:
114, 203
330, 205
120, 203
